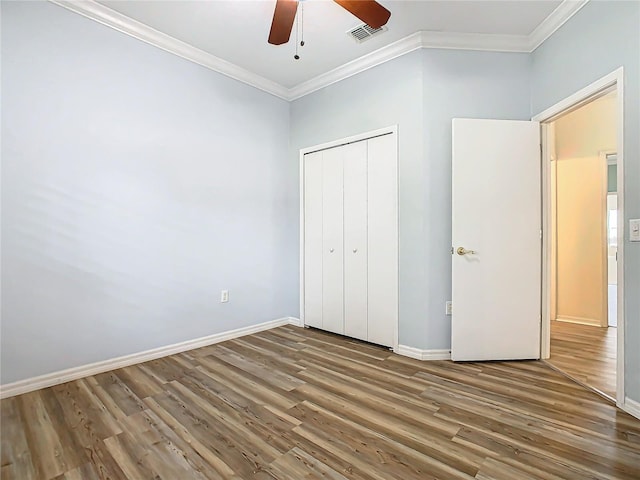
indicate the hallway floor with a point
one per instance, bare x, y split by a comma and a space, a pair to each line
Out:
588, 354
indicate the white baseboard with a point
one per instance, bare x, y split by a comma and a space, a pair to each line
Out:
592, 322
631, 407
419, 354
296, 322
63, 376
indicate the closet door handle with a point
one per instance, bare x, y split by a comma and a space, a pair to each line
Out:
331, 250
355, 250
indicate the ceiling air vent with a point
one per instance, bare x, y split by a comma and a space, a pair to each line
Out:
365, 32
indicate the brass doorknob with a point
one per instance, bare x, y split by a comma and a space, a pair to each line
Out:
464, 251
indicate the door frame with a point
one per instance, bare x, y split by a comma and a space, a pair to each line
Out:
602, 155
390, 130
612, 81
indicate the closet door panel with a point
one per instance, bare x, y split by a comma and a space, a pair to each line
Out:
313, 239
355, 240
382, 240
332, 241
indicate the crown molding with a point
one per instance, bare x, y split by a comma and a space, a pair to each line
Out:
109, 17
425, 39
557, 18
476, 41
384, 54
447, 40
416, 41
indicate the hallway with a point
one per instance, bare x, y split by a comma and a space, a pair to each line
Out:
588, 354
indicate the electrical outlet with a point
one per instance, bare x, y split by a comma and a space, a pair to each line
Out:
447, 307
224, 296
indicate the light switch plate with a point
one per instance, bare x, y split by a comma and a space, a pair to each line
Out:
634, 230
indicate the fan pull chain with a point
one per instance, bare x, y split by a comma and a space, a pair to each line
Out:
296, 56
302, 24
299, 30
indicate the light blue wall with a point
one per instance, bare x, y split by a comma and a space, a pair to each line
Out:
601, 37
421, 92
135, 186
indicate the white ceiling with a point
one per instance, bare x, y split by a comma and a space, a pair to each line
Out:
237, 30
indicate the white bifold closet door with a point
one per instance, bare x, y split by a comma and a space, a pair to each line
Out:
382, 228
332, 243
351, 240
355, 240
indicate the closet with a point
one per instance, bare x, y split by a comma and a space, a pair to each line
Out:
350, 244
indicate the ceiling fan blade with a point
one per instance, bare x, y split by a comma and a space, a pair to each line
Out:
282, 23
369, 11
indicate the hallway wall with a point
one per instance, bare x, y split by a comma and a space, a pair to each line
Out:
581, 189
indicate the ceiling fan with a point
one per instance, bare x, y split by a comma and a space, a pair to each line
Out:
369, 11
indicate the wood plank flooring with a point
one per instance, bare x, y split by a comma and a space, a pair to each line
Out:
291, 403
587, 354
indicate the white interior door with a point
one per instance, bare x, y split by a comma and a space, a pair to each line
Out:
332, 241
496, 277
355, 240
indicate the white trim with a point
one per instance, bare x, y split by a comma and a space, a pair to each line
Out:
548, 298
488, 42
631, 407
605, 237
564, 11
296, 322
301, 236
415, 41
592, 322
582, 96
63, 376
116, 20
602, 86
391, 130
420, 354
382, 55
423, 39
621, 325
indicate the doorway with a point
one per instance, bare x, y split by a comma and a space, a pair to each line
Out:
582, 328
582, 340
